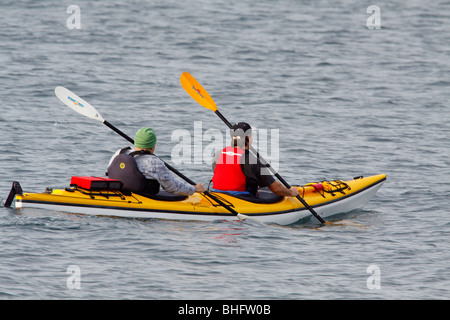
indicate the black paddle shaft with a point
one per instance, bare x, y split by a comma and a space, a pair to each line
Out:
264, 163
109, 125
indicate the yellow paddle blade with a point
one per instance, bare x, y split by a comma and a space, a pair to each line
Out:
197, 92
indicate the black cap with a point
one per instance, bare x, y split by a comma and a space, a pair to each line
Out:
244, 126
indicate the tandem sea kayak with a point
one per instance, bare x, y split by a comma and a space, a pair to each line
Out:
326, 197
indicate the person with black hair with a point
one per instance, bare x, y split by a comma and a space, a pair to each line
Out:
238, 172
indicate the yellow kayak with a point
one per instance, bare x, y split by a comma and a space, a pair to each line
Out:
326, 197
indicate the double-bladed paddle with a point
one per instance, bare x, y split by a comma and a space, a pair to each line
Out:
84, 108
199, 94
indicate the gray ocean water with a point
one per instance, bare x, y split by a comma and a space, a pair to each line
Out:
346, 100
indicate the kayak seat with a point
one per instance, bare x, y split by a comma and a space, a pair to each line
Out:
163, 196
265, 195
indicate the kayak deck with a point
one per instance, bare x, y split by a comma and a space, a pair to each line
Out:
326, 197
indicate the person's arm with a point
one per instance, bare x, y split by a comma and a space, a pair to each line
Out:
264, 179
154, 168
173, 185
281, 190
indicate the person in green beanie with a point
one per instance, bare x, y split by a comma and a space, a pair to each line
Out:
147, 172
145, 139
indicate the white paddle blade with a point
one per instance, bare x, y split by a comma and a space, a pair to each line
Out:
77, 104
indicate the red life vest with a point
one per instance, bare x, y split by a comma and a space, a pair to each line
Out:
228, 175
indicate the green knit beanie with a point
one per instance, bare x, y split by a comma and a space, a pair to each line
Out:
145, 138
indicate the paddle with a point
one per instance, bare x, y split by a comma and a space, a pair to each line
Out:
79, 105
199, 94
